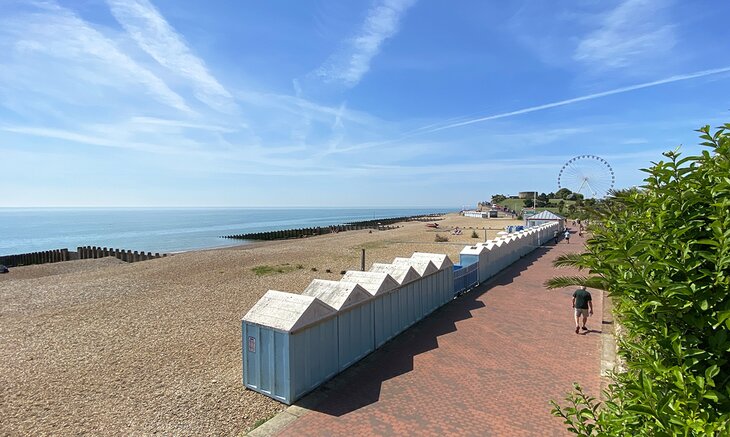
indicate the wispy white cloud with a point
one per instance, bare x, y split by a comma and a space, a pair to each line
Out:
156, 123
621, 90
338, 131
632, 32
58, 33
156, 37
82, 138
298, 105
631, 141
350, 64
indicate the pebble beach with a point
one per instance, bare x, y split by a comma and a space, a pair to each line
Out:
104, 347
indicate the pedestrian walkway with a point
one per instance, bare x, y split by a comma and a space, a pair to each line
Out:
487, 364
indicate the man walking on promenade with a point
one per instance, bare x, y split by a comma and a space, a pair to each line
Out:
567, 236
583, 306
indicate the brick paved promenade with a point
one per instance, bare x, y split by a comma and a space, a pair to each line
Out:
485, 364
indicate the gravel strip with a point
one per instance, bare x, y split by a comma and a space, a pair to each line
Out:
106, 348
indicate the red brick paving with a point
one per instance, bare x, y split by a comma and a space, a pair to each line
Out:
485, 364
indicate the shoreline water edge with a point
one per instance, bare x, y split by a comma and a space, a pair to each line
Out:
167, 230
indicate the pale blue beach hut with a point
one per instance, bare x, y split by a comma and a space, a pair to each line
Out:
480, 254
512, 248
421, 297
500, 254
379, 286
354, 317
522, 245
396, 318
289, 344
444, 276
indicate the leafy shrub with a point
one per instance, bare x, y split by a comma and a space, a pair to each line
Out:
441, 238
662, 253
474, 234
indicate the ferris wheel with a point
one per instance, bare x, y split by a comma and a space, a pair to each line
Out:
589, 175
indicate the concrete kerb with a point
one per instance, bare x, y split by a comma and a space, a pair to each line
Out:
273, 425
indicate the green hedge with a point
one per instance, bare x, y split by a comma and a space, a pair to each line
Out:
662, 252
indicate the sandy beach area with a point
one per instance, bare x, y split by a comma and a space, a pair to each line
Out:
107, 348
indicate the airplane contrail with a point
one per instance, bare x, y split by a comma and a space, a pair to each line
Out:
671, 79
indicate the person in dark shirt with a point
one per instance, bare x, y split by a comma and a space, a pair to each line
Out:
583, 306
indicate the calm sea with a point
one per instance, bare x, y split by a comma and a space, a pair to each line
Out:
164, 229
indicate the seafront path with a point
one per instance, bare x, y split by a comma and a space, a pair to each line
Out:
486, 364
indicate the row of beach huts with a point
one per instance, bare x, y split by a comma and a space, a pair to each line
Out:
292, 343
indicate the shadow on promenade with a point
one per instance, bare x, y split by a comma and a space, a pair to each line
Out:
360, 385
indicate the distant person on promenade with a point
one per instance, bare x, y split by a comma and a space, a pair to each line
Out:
582, 306
555, 236
567, 236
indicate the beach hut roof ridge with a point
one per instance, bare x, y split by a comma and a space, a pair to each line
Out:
339, 295
424, 267
287, 312
403, 274
440, 260
374, 282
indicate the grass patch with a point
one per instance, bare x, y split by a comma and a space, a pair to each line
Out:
371, 245
261, 422
272, 270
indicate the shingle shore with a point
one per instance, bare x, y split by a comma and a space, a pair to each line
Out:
107, 348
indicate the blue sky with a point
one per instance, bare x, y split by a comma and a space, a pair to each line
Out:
358, 103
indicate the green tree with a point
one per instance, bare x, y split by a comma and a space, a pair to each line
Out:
563, 193
528, 203
662, 253
561, 206
498, 198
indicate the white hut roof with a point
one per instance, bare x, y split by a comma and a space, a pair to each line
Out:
473, 250
545, 215
424, 267
337, 294
440, 260
402, 273
375, 283
287, 311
